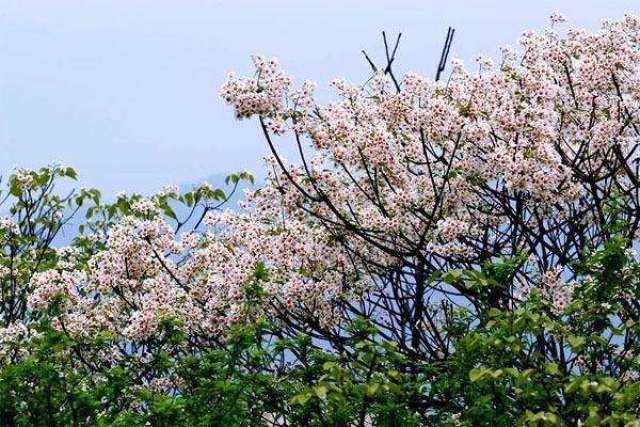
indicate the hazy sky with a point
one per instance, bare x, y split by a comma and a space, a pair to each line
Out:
126, 90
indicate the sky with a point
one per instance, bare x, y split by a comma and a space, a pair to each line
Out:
126, 90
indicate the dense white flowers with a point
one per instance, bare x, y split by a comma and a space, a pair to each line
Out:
555, 290
12, 339
9, 225
262, 94
557, 17
439, 170
202, 281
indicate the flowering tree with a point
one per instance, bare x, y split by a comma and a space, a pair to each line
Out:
35, 215
443, 252
516, 163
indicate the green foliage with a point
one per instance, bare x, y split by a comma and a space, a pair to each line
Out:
534, 366
50, 388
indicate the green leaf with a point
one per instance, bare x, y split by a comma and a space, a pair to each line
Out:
232, 178
301, 399
552, 368
71, 173
372, 389
168, 211
452, 276
575, 342
477, 374
327, 366
321, 391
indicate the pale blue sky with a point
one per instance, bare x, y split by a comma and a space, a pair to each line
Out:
126, 90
